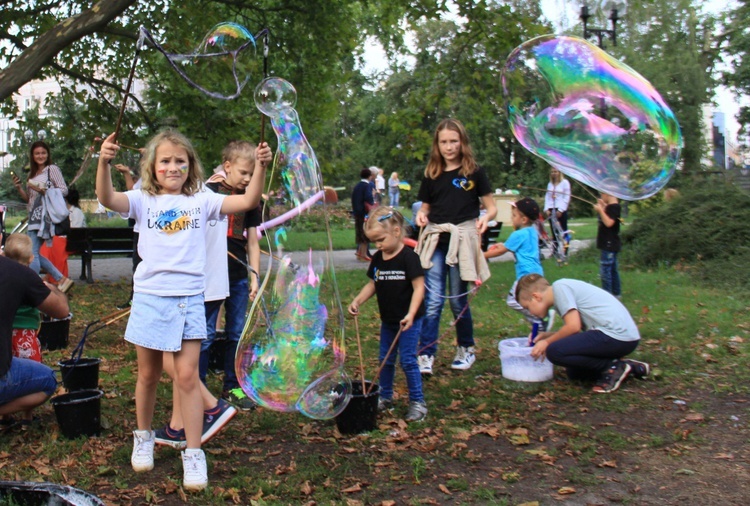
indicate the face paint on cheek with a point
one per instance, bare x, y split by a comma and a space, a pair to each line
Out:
183, 169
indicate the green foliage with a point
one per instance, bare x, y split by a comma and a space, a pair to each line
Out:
738, 52
704, 231
664, 40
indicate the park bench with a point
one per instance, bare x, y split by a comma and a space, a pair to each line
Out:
490, 235
87, 242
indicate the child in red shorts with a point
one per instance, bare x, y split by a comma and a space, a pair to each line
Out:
25, 340
26, 323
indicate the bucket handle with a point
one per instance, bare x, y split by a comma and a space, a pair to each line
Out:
100, 324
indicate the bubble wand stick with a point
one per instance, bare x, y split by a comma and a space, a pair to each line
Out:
524, 187
138, 47
361, 362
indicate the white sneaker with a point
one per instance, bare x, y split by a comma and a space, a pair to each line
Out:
143, 451
425, 364
464, 358
194, 471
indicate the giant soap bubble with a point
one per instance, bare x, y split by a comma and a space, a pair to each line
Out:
592, 117
294, 359
221, 65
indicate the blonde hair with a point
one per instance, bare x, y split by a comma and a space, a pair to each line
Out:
528, 284
18, 248
148, 163
386, 218
238, 149
560, 175
436, 165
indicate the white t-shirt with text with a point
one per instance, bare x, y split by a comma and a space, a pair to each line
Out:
172, 241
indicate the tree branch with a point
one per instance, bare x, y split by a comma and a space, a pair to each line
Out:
43, 51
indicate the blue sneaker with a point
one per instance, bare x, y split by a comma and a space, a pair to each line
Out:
214, 420
167, 436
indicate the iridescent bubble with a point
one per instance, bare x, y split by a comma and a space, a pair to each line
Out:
276, 97
592, 117
326, 397
295, 360
221, 65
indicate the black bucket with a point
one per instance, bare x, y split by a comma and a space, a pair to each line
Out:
27, 492
361, 414
81, 374
79, 413
53, 333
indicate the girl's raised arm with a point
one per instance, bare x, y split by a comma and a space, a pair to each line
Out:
105, 192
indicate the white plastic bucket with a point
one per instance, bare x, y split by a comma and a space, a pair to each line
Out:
518, 364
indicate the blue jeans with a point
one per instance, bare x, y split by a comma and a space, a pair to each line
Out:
587, 354
435, 284
393, 194
39, 260
609, 273
235, 307
407, 350
26, 377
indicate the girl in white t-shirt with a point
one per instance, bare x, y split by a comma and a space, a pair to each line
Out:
167, 313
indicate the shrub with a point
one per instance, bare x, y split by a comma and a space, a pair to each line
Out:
705, 231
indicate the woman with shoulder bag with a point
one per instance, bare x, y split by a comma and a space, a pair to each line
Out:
43, 175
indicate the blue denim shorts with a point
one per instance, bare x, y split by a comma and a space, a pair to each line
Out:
26, 377
161, 323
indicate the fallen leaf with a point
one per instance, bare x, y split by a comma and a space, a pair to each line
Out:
566, 491
444, 489
724, 456
685, 471
352, 489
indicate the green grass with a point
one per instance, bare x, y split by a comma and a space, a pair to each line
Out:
695, 337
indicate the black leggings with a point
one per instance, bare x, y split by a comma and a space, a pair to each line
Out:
587, 354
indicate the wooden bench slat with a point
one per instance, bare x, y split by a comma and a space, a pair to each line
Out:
91, 241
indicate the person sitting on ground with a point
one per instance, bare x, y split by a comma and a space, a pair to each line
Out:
25, 340
24, 383
597, 331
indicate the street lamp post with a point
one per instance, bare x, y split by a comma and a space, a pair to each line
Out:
600, 33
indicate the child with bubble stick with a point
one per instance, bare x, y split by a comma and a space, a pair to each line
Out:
167, 313
608, 241
397, 279
524, 244
597, 331
450, 245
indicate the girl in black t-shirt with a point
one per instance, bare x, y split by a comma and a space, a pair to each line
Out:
397, 278
451, 189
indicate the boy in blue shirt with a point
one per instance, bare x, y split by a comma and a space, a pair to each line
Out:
524, 244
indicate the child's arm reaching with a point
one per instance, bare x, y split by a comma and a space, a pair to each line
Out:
496, 250
601, 208
484, 220
416, 301
363, 296
571, 325
251, 198
105, 192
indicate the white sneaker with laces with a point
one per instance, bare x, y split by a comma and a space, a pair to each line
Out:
194, 471
464, 358
143, 451
425, 364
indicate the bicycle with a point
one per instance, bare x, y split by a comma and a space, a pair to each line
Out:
558, 244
